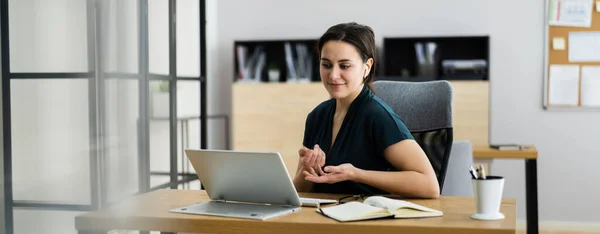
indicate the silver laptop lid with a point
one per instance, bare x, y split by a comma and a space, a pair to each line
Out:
238, 176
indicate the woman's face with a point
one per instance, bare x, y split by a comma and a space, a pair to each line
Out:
342, 69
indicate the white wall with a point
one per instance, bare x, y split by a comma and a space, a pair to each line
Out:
565, 140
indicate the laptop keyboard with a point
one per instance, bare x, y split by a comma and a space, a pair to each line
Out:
315, 202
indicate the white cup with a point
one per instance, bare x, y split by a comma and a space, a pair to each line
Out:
488, 197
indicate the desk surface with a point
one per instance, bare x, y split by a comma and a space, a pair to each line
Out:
485, 151
150, 212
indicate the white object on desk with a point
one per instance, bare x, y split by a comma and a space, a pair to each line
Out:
590, 84
563, 85
375, 207
272, 193
315, 202
488, 197
597, 6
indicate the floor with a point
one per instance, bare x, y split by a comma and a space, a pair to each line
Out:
562, 228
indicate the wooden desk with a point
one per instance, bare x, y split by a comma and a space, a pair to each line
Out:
530, 155
149, 212
486, 152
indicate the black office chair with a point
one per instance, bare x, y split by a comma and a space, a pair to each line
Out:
426, 109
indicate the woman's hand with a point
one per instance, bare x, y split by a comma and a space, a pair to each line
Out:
334, 174
312, 161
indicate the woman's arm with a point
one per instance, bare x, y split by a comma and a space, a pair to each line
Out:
415, 178
311, 161
300, 183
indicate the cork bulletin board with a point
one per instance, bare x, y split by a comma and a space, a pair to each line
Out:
572, 54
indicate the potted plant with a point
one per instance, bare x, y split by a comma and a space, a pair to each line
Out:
273, 72
159, 99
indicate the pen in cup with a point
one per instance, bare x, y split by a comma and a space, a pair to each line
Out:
482, 172
473, 173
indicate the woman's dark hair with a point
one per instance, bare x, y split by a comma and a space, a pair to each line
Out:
360, 36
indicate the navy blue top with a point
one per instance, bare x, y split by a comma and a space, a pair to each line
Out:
368, 128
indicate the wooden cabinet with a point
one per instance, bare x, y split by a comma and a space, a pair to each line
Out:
271, 116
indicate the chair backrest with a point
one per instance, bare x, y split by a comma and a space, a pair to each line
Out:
426, 109
458, 182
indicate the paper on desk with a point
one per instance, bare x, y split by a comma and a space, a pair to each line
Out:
563, 85
584, 46
590, 86
575, 13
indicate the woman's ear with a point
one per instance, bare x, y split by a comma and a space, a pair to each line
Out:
368, 66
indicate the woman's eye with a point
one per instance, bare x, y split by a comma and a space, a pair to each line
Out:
344, 66
325, 65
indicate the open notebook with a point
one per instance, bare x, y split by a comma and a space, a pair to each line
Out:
377, 207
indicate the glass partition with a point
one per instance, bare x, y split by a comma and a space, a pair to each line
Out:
102, 98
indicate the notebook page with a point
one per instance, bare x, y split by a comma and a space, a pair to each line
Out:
384, 203
354, 211
411, 213
396, 206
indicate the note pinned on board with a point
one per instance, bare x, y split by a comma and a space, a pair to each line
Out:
573, 13
590, 86
558, 43
563, 85
584, 46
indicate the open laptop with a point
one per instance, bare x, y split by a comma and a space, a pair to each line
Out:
253, 185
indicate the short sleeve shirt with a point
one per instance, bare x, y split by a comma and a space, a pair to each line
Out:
368, 128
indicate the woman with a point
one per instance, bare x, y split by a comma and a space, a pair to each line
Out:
354, 143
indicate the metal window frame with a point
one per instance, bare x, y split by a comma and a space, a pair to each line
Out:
172, 77
96, 105
92, 39
8, 193
173, 92
7, 77
144, 89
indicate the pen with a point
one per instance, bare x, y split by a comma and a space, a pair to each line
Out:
472, 171
482, 171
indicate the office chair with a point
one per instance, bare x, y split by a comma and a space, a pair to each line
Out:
426, 109
457, 182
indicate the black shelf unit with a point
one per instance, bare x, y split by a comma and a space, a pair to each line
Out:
276, 57
400, 57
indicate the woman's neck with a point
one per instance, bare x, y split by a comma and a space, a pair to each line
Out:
343, 104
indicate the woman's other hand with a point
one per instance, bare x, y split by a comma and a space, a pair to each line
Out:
334, 174
313, 160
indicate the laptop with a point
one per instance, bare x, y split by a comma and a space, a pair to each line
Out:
251, 185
